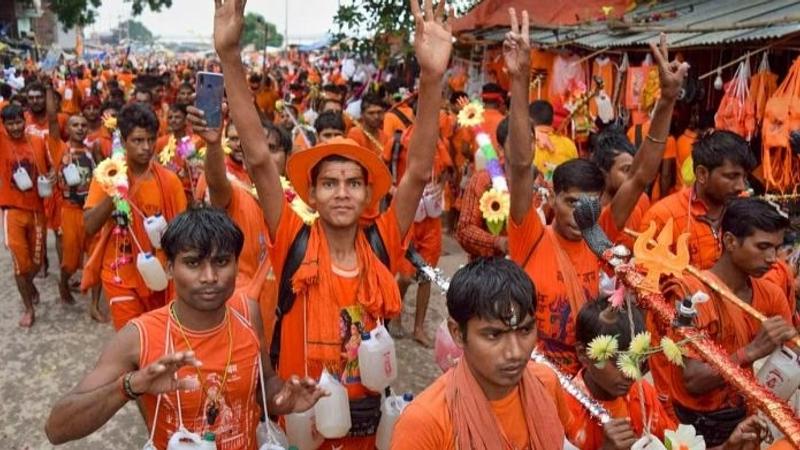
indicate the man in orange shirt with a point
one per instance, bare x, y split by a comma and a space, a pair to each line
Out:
167, 149
495, 397
494, 104
207, 344
153, 191
342, 287
562, 266
607, 385
90, 109
23, 159
329, 125
722, 161
666, 181
752, 232
369, 133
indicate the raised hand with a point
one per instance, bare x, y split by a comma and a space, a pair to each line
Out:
297, 395
517, 45
228, 25
196, 117
433, 40
159, 377
671, 74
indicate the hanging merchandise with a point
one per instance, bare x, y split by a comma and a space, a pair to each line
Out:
781, 116
736, 112
762, 85
718, 83
568, 72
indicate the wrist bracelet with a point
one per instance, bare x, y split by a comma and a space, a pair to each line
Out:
656, 141
126, 387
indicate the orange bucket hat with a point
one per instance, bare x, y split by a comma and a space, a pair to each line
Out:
300, 165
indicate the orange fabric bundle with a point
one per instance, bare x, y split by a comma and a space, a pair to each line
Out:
762, 86
736, 111
781, 116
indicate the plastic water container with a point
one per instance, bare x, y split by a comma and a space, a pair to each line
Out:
72, 176
152, 272
22, 179
332, 413
209, 441
377, 360
445, 350
781, 372
391, 409
186, 440
300, 430
155, 227
44, 186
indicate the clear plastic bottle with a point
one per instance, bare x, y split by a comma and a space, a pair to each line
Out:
152, 272
391, 409
155, 227
332, 413
377, 360
300, 431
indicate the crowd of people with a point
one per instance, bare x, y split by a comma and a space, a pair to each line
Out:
284, 233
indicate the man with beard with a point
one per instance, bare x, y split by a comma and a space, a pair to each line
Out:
370, 132
722, 161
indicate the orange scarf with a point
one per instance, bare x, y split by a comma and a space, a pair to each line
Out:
314, 280
575, 292
474, 424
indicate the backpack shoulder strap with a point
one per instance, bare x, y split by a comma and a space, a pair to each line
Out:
376, 243
402, 116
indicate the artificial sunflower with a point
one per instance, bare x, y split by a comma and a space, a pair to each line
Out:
603, 348
672, 351
640, 344
629, 366
306, 213
112, 174
471, 115
110, 122
167, 154
495, 206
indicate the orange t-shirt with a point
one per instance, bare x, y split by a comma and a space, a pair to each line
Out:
41, 127
358, 135
343, 291
783, 276
146, 196
30, 154
704, 244
727, 326
102, 137
392, 123
587, 433
239, 410
63, 154
534, 247
491, 120
265, 99
426, 423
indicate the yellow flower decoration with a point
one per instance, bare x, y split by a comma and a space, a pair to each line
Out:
629, 366
672, 351
226, 148
603, 348
110, 122
495, 206
471, 115
640, 344
168, 152
111, 173
307, 215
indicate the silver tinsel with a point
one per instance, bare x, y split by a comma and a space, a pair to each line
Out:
595, 409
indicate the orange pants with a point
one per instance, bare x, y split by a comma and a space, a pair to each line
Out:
125, 303
24, 237
426, 238
73, 238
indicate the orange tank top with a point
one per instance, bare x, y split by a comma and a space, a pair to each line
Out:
238, 412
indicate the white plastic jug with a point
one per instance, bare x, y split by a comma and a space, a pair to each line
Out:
376, 359
332, 413
299, 429
44, 186
22, 179
72, 176
209, 441
152, 272
391, 409
155, 227
781, 372
183, 439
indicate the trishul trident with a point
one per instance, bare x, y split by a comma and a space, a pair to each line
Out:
657, 259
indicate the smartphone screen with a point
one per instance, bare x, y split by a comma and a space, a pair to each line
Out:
210, 88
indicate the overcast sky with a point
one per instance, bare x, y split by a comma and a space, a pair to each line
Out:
308, 19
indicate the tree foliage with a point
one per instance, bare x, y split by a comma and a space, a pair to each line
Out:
259, 32
84, 12
368, 24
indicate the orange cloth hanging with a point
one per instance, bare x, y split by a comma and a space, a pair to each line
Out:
781, 116
736, 111
762, 86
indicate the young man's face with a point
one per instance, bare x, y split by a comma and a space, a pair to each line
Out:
723, 183
756, 254
91, 112
496, 353
329, 133
176, 121
373, 117
235, 144
563, 206
608, 380
331, 105
620, 171
204, 284
340, 193
36, 101
139, 146
184, 96
15, 128
77, 128
144, 98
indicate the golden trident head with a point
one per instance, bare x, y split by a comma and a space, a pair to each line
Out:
656, 256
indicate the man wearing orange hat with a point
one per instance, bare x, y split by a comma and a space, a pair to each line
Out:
343, 281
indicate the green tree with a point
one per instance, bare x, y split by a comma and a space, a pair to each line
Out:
84, 12
259, 32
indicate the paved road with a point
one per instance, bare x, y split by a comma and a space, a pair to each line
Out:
40, 364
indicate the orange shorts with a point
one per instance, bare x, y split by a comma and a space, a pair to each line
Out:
426, 238
52, 211
24, 237
73, 238
125, 303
